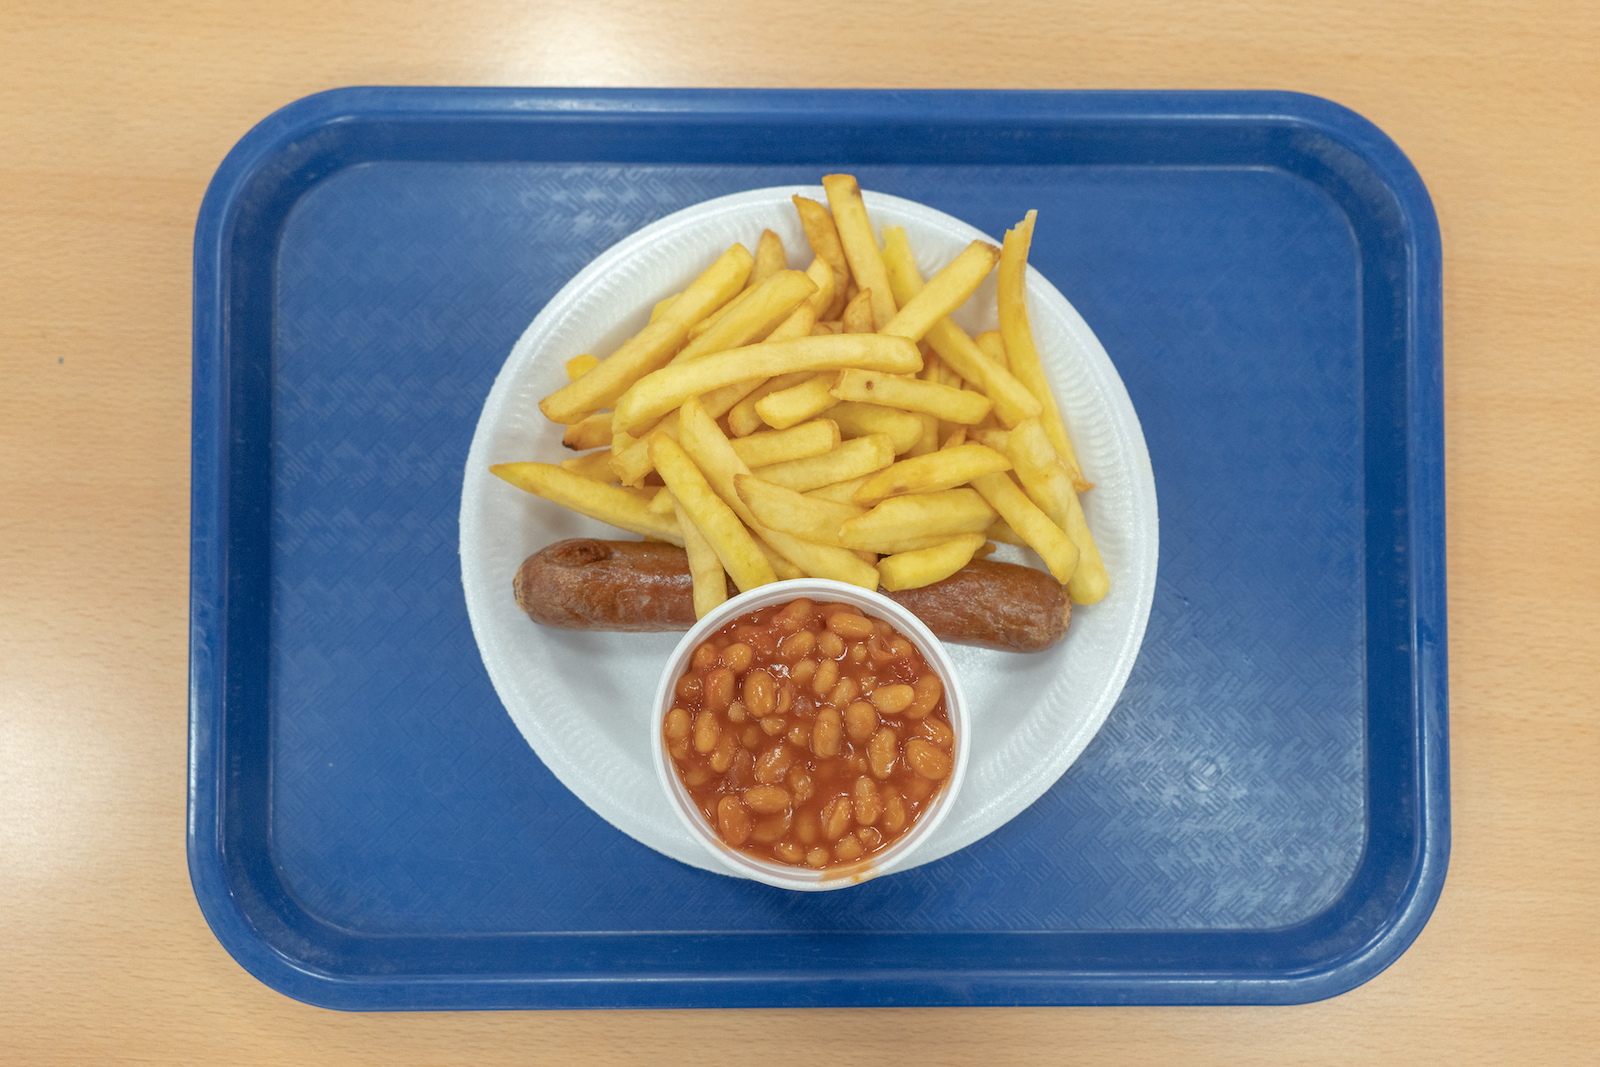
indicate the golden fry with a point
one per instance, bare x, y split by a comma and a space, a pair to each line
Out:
703, 440
620, 507
860, 246
991, 344
660, 391
817, 221
909, 394
850, 460
705, 569
742, 417
948, 290
779, 446
857, 316
822, 276
1047, 483
653, 346
1018, 336
843, 492
1001, 531
758, 314
913, 570
656, 312
633, 463
859, 420
956, 439
789, 407
592, 432
931, 473
778, 508
595, 466
770, 259
740, 556
1034, 526
662, 503
578, 366
938, 514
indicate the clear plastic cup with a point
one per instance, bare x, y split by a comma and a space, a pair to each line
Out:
875, 605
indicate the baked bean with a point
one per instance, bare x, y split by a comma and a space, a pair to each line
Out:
835, 816
733, 822
928, 760
766, 799
722, 755
798, 645
892, 699
706, 731
848, 626
928, 691
882, 751
827, 676
718, 688
861, 721
827, 733
737, 656
772, 764
809, 737
937, 732
760, 693
868, 804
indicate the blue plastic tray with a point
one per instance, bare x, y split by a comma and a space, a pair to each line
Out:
1263, 818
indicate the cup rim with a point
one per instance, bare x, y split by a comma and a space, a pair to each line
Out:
769, 872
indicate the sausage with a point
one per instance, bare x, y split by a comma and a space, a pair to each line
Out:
645, 587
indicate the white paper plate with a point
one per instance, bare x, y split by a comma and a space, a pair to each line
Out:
582, 700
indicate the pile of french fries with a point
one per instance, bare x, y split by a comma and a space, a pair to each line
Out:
832, 422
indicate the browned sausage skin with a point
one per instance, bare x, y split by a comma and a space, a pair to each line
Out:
644, 586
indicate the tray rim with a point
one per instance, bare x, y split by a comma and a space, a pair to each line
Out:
279, 133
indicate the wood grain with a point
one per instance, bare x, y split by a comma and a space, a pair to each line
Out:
112, 119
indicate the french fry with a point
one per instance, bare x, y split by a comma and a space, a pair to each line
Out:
938, 514
850, 460
948, 290
823, 236
1001, 531
705, 569
1060, 555
592, 432
770, 259
655, 312
653, 346
822, 276
662, 503
843, 492
778, 508
1018, 336
740, 556
633, 463
999, 440
931, 473
720, 402
721, 465
779, 446
913, 570
660, 391
991, 344
859, 420
578, 366
612, 504
1049, 485
595, 466
792, 406
956, 439
1012, 399
758, 314
796, 326
860, 246
717, 315
857, 317
909, 394
742, 417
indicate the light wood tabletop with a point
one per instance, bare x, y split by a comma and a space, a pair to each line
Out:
114, 117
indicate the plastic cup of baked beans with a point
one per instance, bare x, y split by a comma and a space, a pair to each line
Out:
801, 779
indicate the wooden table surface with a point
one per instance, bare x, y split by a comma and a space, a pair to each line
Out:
112, 119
